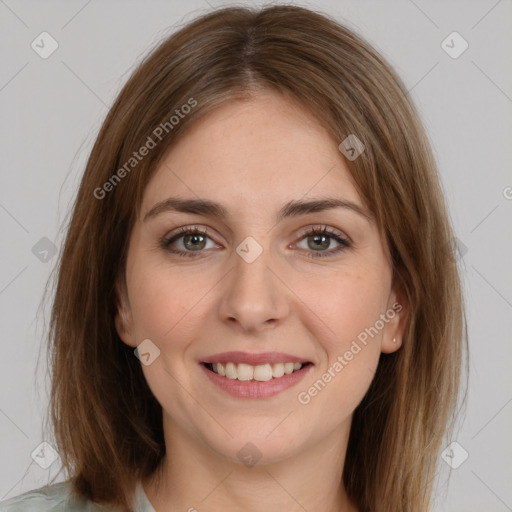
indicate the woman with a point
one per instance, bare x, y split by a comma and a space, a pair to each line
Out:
257, 306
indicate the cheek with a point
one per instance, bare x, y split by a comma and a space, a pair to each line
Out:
349, 303
166, 303
350, 354
349, 340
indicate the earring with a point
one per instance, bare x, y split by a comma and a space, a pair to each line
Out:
394, 340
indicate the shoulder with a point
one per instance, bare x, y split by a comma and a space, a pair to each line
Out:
51, 498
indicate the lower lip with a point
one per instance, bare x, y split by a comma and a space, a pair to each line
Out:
256, 389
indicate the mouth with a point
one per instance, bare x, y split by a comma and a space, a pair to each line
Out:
254, 376
257, 373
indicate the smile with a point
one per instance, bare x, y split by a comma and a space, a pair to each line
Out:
254, 381
260, 373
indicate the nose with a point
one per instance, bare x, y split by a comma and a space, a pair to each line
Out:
255, 297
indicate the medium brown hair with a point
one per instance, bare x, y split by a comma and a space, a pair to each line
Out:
107, 423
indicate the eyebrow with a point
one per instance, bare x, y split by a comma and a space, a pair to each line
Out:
290, 209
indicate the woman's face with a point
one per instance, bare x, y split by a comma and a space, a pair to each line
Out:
255, 288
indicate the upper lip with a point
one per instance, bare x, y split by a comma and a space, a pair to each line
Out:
254, 359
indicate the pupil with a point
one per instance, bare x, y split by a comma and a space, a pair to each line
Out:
323, 238
195, 238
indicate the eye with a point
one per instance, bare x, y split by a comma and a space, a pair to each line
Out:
194, 240
318, 239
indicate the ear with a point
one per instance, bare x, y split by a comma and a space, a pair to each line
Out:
397, 315
123, 316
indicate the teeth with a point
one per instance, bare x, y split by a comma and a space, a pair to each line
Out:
278, 370
231, 372
288, 368
245, 372
262, 372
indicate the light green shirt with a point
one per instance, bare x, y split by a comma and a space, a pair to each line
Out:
58, 498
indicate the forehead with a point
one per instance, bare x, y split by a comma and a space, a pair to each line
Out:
269, 148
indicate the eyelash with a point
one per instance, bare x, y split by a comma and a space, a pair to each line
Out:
344, 243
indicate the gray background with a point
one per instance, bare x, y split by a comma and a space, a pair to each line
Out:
51, 109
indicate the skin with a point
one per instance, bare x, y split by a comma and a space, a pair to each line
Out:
253, 157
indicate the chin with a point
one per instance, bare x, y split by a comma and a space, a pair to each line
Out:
258, 442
